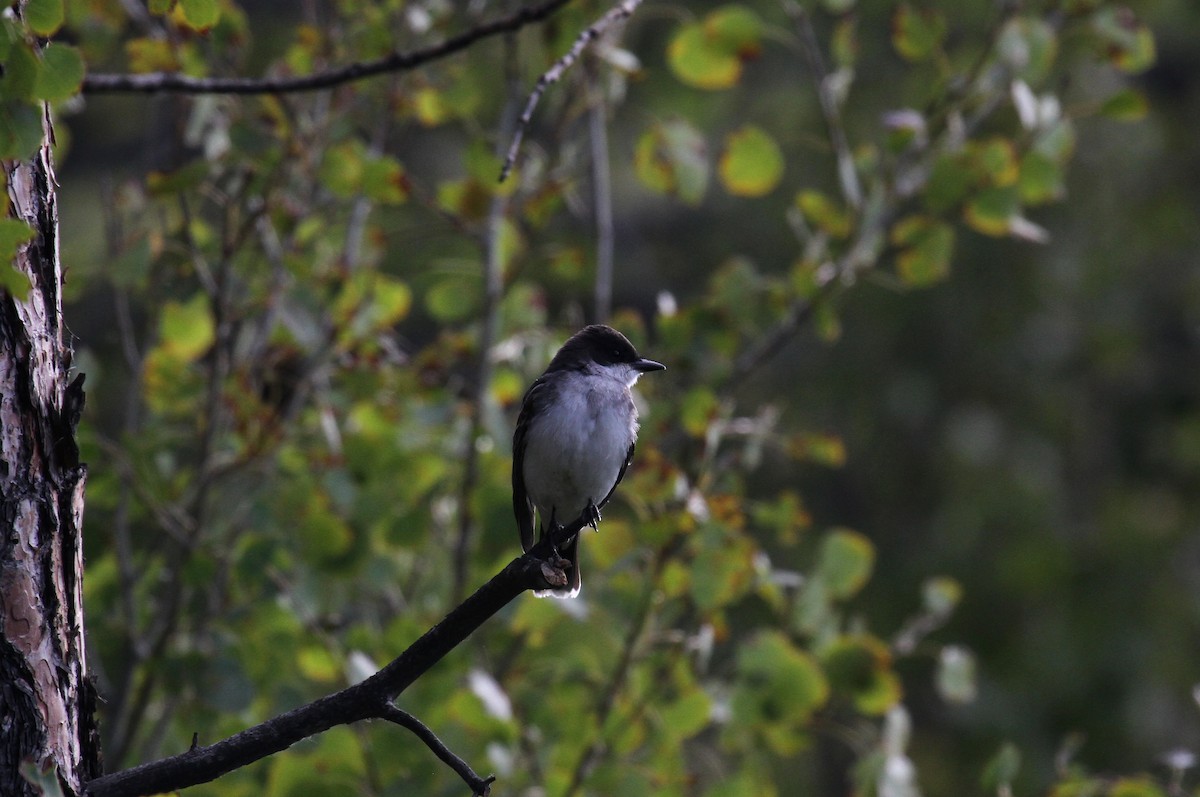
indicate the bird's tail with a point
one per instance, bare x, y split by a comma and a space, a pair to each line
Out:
570, 552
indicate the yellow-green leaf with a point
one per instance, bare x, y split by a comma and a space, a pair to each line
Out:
13, 233
777, 685
186, 330
824, 213
994, 161
860, 666
845, 562
992, 210
1124, 39
672, 158
201, 14
709, 54
1127, 105
751, 164
1041, 179
688, 715
917, 33
926, 246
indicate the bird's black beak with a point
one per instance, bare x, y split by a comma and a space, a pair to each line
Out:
645, 365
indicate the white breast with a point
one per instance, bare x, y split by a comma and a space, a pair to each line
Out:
576, 446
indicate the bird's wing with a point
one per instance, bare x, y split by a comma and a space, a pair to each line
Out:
534, 399
620, 475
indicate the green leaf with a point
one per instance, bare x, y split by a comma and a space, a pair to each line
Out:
1000, 772
160, 7
672, 158
1141, 786
1041, 179
688, 715
20, 75
917, 33
992, 210
777, 689
720, 574
860, 666
949, 181
697, 410
342, 168
1127, 105
44, 17
845, 562
186, 330
20, 129
927, 246
201, 14
994, 161
751, 164
384, 181
61, 73
452, 298
13, 233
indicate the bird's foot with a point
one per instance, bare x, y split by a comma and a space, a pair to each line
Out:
554, 568
591, 514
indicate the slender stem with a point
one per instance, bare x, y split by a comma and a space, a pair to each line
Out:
618, 13
478, 785
847, 175
178, 83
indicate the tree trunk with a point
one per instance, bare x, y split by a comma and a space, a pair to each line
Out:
47, 726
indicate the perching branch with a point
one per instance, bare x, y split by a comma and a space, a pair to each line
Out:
622, 11
393, 62
370, 699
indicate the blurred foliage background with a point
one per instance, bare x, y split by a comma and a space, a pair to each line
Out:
915, 504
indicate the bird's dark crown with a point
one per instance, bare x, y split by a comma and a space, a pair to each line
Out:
596, 343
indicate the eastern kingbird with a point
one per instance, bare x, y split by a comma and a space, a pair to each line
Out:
575, 437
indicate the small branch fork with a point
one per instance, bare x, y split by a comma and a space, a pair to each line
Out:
622, 11
370, 699
393, 62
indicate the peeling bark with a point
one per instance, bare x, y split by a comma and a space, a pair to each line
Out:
46, 698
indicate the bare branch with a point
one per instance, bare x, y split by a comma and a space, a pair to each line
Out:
847, 176
393, 62
366, 700
479, 786
622, 11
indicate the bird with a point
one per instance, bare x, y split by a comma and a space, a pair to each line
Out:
575, 438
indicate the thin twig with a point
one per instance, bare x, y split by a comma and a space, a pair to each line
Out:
479, 786
393, 62
618, 13
847, 175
